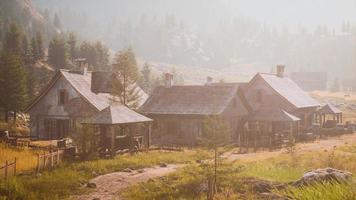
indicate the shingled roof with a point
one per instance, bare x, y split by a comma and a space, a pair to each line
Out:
82, 84
289, 90
329, 109
272, 114
189, 100
116, 114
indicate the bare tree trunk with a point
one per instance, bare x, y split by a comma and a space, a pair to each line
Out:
125, 85
215, 166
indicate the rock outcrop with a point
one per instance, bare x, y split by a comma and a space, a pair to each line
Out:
324, 175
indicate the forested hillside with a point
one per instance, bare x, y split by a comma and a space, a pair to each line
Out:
219, 34
35, 44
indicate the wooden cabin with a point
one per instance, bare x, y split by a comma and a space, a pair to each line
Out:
277, 107
179, 111
70, 97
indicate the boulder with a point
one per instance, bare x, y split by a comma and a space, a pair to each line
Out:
91, 185
128, 170
324, 175
162, 164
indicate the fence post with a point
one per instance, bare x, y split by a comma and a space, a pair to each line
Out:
57, 157
52, 155
44, 159
15, 165
38, 163
6, 169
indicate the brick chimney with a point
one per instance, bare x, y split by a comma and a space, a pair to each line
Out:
168, 80
209, 80
280, 70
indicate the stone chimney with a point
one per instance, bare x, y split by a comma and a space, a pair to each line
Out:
280, 70
82, 65
168, 80
209, 80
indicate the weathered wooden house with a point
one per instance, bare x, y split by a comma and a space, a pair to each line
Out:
279, 91
267, 105
70, 98
179, 111
277, 107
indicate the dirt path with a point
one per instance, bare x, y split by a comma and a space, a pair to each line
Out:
326, 144
108, 185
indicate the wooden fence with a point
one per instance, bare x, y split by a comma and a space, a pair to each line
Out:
8, 169
49, 160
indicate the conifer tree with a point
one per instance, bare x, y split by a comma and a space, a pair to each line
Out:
146, 81
57, 22
34, 50
40, 48
72, 46
13, 94
57, 53
102, 56
26, 52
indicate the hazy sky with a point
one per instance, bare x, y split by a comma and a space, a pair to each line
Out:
309, 12
273, 12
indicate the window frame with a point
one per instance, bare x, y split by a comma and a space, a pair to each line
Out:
62, 97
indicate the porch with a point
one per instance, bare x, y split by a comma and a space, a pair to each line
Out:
120, 128
268, 128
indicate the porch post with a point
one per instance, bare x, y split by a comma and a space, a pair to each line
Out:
112, 131
149, 135
337, 118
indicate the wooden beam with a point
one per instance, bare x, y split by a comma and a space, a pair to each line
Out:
112, 132
149, 135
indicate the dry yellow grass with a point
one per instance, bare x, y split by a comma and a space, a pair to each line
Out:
26, 158
338, 95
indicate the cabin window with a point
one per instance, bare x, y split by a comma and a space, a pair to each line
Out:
63, 97
259, 95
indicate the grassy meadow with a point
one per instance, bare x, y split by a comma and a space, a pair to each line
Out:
68, 178
26, 158
234, 178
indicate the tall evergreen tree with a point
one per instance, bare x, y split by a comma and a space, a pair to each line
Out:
40, 48
102, 56
34, 50
87, 50
72, 46
57, 53
57, 22
26, 52
12, 42
13, 94
146, 81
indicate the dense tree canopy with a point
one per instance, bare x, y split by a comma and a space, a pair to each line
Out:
57, 53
